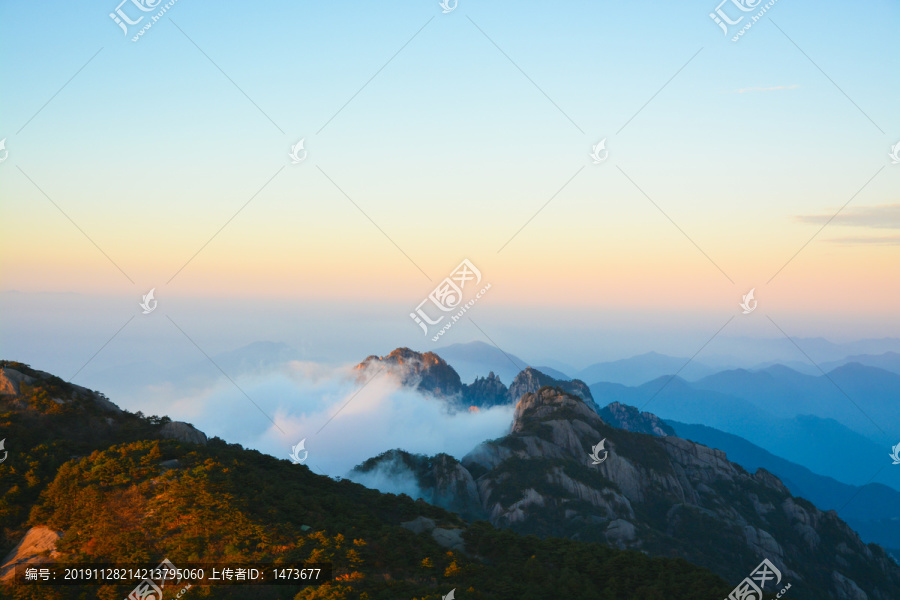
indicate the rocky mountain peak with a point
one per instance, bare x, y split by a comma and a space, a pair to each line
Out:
630, 418
426, 372
15, 377
551, 403
183, 432
532, 380
485, 392
430, 374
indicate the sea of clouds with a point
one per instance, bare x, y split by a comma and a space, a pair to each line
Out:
345, 416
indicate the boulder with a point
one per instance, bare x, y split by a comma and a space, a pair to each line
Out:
10, 380
30, 550
183, 432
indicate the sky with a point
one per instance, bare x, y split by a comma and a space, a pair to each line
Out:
430, 138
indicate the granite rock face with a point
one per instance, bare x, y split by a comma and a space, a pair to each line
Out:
531, 380
12, 379
38, 546
426, 372
629, 418
183, 432
486, 392
440, 480
659, 494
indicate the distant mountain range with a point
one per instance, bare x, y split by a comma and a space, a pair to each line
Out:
801, 418
889, 361
643, 368
477, 359
864, 398
748, 352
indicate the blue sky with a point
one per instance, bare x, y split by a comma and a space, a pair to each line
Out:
449, 148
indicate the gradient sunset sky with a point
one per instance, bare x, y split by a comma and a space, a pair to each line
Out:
436, 137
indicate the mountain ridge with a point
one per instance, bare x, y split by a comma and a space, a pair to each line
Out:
662, 495
89, 485
430, 374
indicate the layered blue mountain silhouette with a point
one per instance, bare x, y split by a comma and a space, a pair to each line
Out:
839, 424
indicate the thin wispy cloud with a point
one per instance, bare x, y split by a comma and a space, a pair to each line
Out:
774, 88
890, 240
873, 217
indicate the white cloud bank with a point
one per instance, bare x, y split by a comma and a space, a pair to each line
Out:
342, 421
